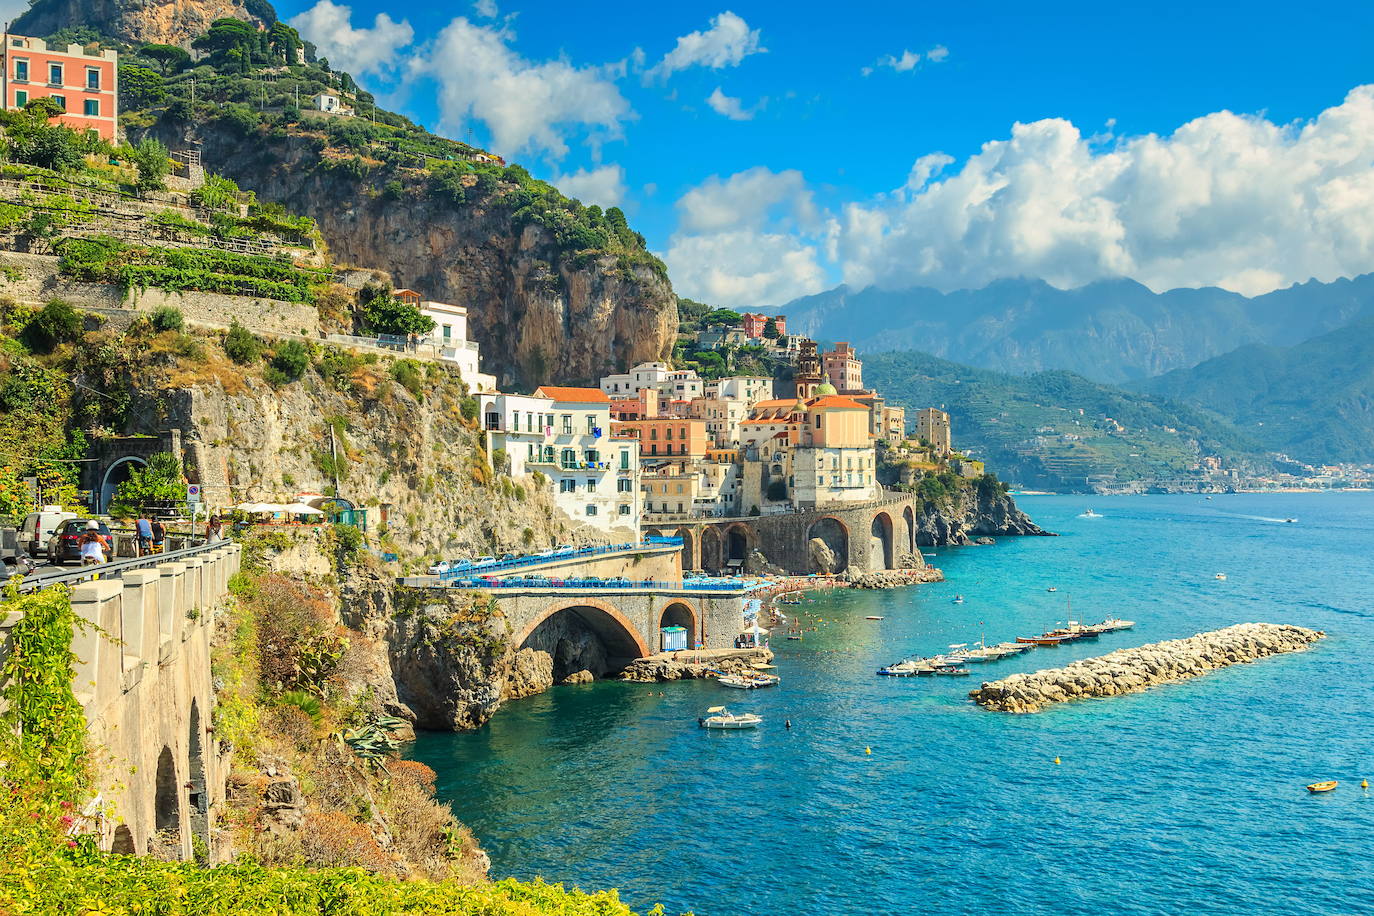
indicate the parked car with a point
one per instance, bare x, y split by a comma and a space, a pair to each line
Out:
508, 557
438, 569
38, 527
484, 561
65, 543
564, 550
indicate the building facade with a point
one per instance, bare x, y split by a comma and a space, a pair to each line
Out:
85, 85
844, 369
755, 322
595, 475
450, 338
932, 425
661, 438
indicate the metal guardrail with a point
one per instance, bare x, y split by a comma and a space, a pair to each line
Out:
113, 569
578, 554
605, 585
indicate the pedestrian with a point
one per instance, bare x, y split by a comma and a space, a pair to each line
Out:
214, 532
144, 529
92, 545
159, 535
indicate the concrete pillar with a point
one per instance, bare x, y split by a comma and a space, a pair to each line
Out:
98, 666
138, 603
171, 604
195, 586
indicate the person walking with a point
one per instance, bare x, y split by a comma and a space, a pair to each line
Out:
144, 529
92, 545
214, 532
159, 536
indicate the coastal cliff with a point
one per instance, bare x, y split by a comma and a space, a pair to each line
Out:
169, 22
981, 510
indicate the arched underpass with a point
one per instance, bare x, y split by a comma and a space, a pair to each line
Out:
880, 543
678, 614
579, 641
835, 536
116, 474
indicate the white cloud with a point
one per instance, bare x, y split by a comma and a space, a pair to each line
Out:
486, 9
728, 106
747, 199
907, 60
728, 41
527, 105
1226, 199
358, 51
603, 186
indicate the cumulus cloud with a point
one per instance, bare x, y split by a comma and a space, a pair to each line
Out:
367, 50
486, 9
728, 106
1226, 199
603, 186
907, 60
527, 105
746, 240
728, 41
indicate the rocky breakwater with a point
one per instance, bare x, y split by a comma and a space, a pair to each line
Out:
675, 666
890, 578
1133, 670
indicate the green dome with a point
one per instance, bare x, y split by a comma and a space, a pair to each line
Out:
824, 388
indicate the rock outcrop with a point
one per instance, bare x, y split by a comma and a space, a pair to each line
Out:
682, 665
894, 578
169, 22
978, 512
823, 559
1133, 670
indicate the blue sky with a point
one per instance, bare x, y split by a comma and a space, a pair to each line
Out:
767, 149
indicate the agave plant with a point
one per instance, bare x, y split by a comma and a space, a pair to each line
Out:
373, 741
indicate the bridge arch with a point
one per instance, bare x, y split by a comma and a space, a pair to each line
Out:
690, 560
558, 630
835, 535
909, 541
682, 614
199, 795
114, 475
712, 549
880, 545
740, 540
167, 803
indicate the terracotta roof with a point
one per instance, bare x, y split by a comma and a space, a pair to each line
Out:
777, 402
835, 402
574, 395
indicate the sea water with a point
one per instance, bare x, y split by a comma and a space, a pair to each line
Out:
1188, 798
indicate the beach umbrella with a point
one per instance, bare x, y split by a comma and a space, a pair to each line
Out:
301, 509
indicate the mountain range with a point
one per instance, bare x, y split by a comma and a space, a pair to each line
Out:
1109, 331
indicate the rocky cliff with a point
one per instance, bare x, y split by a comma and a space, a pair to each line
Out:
540, 314
171, 22
975, 512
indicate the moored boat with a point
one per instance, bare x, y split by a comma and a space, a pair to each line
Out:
720, 717
1322, 786
748, 681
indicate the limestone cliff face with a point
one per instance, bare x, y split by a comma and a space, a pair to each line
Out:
172, 22
539, 317
977, 512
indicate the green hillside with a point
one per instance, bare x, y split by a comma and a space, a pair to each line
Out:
1313, 401
1060, 431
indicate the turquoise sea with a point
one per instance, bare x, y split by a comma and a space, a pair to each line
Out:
1185, 799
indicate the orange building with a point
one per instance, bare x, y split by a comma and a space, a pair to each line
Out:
85, 84
663, 437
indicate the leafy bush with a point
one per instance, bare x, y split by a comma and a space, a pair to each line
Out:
241, 345
167, 318
56, 323
151, 159
158, 483
407, 374
289, 362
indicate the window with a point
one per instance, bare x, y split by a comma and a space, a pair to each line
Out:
21, 98
624, 459
653, 450
91, 108
567, 424
591, 424
567, 486
92, 78
569, 458
55, 75
593, 456
591, 510
448, 331
682, 433
21, 70
653, 432
591, 485
679, 508
61, 101
668, 434
624, 485
624, 509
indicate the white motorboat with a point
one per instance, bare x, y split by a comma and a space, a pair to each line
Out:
1221, 576
748, 681
720, 717
1088, 513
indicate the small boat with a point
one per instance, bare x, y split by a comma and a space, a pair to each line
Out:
1088, 513
1209, 497
1111, 625
1322, 786
1052, 589
950, 671
748, 681
1045, 640
906, 668
958, 599
1221, 576
873, 617
1290, 521
720, 717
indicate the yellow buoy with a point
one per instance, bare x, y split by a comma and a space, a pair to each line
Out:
1364, 783
1056, 760
868, 750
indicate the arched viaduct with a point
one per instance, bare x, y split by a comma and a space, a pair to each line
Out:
866, 538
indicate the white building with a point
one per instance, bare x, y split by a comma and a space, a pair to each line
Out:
629, 384
332, 104
748, 389
595, 477
519, 425
450, 338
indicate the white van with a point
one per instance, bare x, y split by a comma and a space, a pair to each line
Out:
39, 526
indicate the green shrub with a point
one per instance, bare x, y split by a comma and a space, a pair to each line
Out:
167, 318
151, 159
241, 345
158, 483
291, 360
407, 374
56, 323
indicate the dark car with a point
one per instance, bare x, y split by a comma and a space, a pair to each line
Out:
65, 543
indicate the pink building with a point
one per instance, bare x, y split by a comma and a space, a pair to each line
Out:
86, 85
844, 369
755, 322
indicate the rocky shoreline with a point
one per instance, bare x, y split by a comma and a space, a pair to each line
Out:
676, 666
1134, 670
891, 578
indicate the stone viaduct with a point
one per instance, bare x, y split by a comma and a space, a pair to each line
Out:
865, 538
143, 678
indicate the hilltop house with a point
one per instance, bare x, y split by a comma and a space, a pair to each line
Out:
450, 338
85, 84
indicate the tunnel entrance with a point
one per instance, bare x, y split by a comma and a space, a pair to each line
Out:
583, 642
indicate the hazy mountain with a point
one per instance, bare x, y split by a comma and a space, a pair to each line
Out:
1060, 431
1314, 400
1112, 331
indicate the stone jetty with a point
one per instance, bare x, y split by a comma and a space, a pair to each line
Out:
689, 663
1133, 670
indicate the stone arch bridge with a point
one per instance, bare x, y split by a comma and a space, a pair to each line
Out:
864, 538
